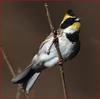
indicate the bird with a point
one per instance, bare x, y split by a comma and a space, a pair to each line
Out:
69, 45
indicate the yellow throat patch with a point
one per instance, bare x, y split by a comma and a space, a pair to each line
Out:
76, 25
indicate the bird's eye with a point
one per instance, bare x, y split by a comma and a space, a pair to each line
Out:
70, 20
67, 23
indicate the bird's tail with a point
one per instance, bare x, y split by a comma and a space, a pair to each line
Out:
27, 78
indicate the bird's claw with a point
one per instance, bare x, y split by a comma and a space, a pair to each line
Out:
60, 62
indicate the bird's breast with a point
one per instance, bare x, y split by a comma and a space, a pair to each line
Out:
66, 46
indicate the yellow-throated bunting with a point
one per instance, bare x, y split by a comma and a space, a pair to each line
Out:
69, 44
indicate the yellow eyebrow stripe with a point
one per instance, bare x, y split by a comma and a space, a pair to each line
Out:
67, 16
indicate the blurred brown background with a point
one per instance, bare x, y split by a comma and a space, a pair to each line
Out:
26, 26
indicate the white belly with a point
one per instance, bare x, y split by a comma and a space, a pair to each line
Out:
50, 60
65, 47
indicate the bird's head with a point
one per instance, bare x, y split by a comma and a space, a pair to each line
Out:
70, 22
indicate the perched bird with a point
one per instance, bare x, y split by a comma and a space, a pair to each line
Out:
69, 45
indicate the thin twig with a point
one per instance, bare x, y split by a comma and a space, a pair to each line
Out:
56, 43
48, 16
8, 63
63, 82
18, 90
12, 71
18, 93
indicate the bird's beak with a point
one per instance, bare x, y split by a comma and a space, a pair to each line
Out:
77, 19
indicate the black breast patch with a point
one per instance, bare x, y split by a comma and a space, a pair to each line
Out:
75, 51
73, 37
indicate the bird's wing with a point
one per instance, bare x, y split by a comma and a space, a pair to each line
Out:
48, 38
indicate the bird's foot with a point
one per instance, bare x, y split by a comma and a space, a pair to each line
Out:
60, 62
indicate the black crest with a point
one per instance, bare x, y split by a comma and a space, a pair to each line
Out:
70, 12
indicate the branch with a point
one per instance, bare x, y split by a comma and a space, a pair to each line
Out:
12, 71
18, 93
18, 89
56, 43
48, 16
65, 90
8, 63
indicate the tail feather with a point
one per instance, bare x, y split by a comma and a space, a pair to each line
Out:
27, 78
20, 77
31, 82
